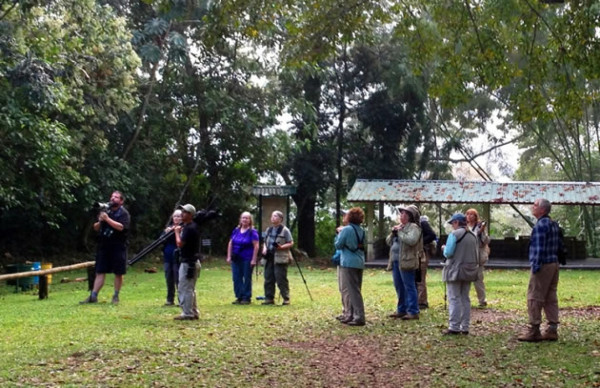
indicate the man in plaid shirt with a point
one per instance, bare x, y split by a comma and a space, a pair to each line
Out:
543, 282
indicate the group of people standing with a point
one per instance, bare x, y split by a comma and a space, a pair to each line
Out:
242, 254
412, 243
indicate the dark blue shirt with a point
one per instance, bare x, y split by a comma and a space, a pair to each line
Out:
190, 238
545, 243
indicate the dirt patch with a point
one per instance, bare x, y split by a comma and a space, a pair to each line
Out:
588, 312
354, 362
365, 361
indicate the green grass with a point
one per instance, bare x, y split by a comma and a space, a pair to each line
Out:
56, 342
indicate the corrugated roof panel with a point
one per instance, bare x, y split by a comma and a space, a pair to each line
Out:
405, 191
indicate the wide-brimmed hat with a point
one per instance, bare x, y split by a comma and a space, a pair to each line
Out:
458, 217
412, 209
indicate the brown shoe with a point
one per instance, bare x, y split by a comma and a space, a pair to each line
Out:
397, 315
268, 301
550, 335
409, 317
531, 335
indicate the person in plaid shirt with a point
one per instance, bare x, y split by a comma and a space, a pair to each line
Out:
543, 282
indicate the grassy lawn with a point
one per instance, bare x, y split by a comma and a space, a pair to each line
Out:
56, 342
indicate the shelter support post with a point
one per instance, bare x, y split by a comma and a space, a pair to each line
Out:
370, 216
380, 223
487, 215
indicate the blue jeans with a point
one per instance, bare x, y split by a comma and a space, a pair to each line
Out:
406, 290
241, 271
172, 278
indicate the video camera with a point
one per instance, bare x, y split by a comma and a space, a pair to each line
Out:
102, 206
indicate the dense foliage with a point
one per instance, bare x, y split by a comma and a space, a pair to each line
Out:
177, 101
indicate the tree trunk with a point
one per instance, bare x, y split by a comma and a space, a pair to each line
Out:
306, 223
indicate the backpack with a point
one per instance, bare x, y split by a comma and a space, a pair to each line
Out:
562, 250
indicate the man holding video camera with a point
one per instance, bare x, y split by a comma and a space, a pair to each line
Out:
187, 238
111, 257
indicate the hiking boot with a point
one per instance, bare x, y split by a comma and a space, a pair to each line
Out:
244, 302
185, 318
450, 332
409, 317
423, 306
356, 323
483, 304
397, 315
531, 335
550, 334
89, 299
268, 301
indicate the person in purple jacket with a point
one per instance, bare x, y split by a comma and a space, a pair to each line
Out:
242, 251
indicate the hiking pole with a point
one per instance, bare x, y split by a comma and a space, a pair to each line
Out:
445, 297
301, 275
443, 263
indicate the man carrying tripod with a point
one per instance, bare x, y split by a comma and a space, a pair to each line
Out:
187, 238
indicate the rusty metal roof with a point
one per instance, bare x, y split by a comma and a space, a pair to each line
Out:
416, 191
274, 190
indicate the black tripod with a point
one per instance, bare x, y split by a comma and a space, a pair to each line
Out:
301, 275
149, 248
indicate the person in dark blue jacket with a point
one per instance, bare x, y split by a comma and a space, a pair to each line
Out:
430, 247
170, 261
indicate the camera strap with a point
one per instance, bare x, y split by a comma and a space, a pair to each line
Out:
359, 241
277, 232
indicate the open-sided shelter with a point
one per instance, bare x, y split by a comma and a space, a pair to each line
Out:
377, 192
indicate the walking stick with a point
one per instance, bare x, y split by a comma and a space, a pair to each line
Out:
301, 275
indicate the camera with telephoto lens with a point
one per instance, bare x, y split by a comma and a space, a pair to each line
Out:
205, 215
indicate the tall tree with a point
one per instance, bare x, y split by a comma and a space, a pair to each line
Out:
69, 71
536, 60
